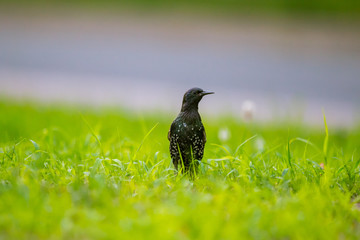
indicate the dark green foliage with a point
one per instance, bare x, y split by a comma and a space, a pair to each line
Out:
333, 9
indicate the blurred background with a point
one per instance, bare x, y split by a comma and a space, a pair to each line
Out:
266, 60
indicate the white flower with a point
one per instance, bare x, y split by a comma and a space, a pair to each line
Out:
224, 134
248, 110
260, 144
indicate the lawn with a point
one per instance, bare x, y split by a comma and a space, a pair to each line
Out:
330, 9
105, 173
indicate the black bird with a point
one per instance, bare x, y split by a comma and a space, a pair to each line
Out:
187, 134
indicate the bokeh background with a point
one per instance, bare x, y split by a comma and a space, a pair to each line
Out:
274, 60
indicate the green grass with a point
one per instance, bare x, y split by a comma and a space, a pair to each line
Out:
68, 173
333, 9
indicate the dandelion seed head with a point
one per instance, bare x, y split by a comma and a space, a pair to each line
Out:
248, 110
260, 144
224, 134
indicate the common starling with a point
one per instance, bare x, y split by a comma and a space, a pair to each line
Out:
187, 134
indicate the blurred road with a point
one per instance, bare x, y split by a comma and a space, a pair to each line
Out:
289, 70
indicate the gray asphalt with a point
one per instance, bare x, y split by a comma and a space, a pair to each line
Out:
149, 64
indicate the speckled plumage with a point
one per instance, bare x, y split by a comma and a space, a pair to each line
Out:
187, 134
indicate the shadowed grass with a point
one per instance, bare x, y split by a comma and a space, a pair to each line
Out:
112, 178
331, 9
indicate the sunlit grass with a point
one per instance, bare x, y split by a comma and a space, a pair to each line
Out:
68, 173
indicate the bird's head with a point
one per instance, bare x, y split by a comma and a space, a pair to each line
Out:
192, 98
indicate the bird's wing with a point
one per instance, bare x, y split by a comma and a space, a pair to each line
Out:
169, 133
204, 135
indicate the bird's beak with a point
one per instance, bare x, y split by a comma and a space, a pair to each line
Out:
206, 93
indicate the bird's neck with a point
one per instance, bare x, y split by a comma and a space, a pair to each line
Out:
189, 107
